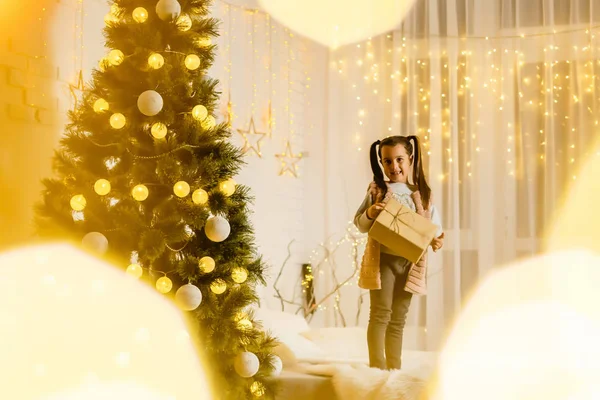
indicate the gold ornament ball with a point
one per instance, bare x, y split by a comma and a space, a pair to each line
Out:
78, 202
192, 62
218, 286
181, 189
206, 264
159, 130
184, 23
239, 274
203, 41
156, 61
135, 270
102, 187
140, 15
164, 285
115, 57
200, 196
227, 187
199, 112
257, 389
209, 122
140, 192
100, 105
117, 120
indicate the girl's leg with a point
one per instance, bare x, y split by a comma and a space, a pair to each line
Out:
379, 317
400, 305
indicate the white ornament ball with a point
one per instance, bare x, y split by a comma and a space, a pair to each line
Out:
277, 366
217, 229
246, 364
168, 10
96, 242
188, 297
150, 103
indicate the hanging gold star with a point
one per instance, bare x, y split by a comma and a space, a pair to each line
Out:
77, 90
252, 138
289, 161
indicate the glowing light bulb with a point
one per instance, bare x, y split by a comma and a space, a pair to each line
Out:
159, 130
192, 62
78, 202
209, 122
206, 264
115, 57
200, 197
184, 23
164, 285
102, 187
156, 61
218, 286
227, 187
199, 112
204, 41
239, 274
181, 189
101, 105
140, 192
140, 15
117, 120
135, 270
257, 389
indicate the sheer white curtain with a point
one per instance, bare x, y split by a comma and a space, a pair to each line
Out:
503, 96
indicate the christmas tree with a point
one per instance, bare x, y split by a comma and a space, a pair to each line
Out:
144, 178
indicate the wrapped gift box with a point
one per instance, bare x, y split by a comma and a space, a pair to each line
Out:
403, 231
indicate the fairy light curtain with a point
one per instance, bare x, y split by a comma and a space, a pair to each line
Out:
504, 97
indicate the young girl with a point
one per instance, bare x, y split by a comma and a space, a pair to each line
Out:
391, 279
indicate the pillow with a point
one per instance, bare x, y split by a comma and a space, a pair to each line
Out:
340, 343
293, 348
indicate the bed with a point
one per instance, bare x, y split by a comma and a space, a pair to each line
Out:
332, 363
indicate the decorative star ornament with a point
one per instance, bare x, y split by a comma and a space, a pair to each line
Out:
289, 161
77, 90
252, 138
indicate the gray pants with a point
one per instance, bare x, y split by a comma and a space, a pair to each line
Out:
389, 306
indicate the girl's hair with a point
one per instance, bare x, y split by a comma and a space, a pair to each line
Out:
418, 174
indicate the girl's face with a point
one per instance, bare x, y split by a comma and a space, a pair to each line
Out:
397, 164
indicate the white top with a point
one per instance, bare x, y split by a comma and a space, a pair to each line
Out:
401, 192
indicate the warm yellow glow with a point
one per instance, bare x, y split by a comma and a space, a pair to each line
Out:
140, 192
206, 264
181, 189
102, 187
218, 286
199, 112
115, 57
71, 294
192, 62
529, 332
336, 23
135, 270
239, 274
100, 105
159, 130
200, 197
117, 120
184, 23
204, 41
110, 19
243, 321
257, 389
209, 123
227, 187
78, 202
140, 15
164, 284
156, 61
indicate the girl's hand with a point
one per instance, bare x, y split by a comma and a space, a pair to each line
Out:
438, 242
374, 211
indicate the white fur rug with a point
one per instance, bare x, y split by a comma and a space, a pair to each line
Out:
359, 382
